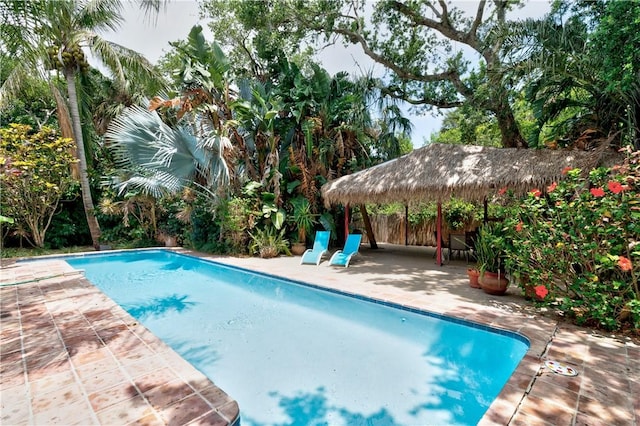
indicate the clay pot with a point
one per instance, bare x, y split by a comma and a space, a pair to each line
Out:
474, 274
298, 248
493, 283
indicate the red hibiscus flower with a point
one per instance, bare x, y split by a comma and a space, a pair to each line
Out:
615, 187
536, 192
624, 263
541, 291
552, 187
502, 191
519, 227
566, 170
597, 192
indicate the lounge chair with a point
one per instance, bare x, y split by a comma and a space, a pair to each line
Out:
351, 247
320, 247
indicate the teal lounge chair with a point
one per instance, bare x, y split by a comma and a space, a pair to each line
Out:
351, 247
320, 247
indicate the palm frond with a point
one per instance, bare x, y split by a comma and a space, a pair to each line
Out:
159, 156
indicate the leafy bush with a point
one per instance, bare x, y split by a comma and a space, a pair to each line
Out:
578, 244
458, 214
269, 242
35, 174
235, 217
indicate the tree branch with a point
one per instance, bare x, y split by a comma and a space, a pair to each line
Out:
397, 93
357, 38
477, 21
443, 26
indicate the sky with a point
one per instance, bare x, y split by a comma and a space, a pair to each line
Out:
174, 23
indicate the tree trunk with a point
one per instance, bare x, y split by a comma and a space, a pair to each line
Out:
635, 122
367, 226
87, 200
511, 136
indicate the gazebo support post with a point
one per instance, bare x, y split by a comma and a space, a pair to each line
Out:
486, 210
346, 222
367, 227
439, 235
406, 224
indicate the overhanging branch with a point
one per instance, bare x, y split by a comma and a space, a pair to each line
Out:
402, 73
397, 93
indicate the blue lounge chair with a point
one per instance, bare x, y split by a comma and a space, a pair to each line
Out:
351, 247
320, 247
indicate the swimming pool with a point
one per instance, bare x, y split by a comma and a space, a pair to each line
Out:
294, 354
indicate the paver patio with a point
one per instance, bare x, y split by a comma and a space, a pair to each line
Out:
70, 355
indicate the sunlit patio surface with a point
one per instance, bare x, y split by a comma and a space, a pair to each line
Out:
69, 355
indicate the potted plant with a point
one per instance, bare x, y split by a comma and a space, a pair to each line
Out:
474, 275
490, 253
303, 221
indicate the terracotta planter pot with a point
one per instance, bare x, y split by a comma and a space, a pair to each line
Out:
474, 275
492, 283
298, 248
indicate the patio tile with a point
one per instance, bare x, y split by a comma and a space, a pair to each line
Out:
216, 396
125, 412
143, 366
210, 419
79, 413
103, 380
15, 406
84, 354
167, 394
148, 420
521, 419
57, 398
545, 410
52, 382
106, 397
97, 367
155, 379
230, 410
560, 396
185, 410
611, 414
42, 365
585, 420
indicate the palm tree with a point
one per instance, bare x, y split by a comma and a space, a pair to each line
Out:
174, 143
48, 35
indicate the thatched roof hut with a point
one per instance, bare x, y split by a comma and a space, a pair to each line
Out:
438, 171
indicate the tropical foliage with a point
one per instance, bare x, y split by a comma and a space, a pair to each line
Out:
45, 35
35, 174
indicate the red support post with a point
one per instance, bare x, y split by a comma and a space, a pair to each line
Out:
439, 236
346, 222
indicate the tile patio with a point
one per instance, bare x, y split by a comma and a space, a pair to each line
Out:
70, 355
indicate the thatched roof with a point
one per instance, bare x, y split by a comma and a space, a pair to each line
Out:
437, 171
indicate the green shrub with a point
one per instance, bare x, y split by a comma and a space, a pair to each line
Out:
269, 242
458, 214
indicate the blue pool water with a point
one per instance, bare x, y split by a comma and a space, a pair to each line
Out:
294, 354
